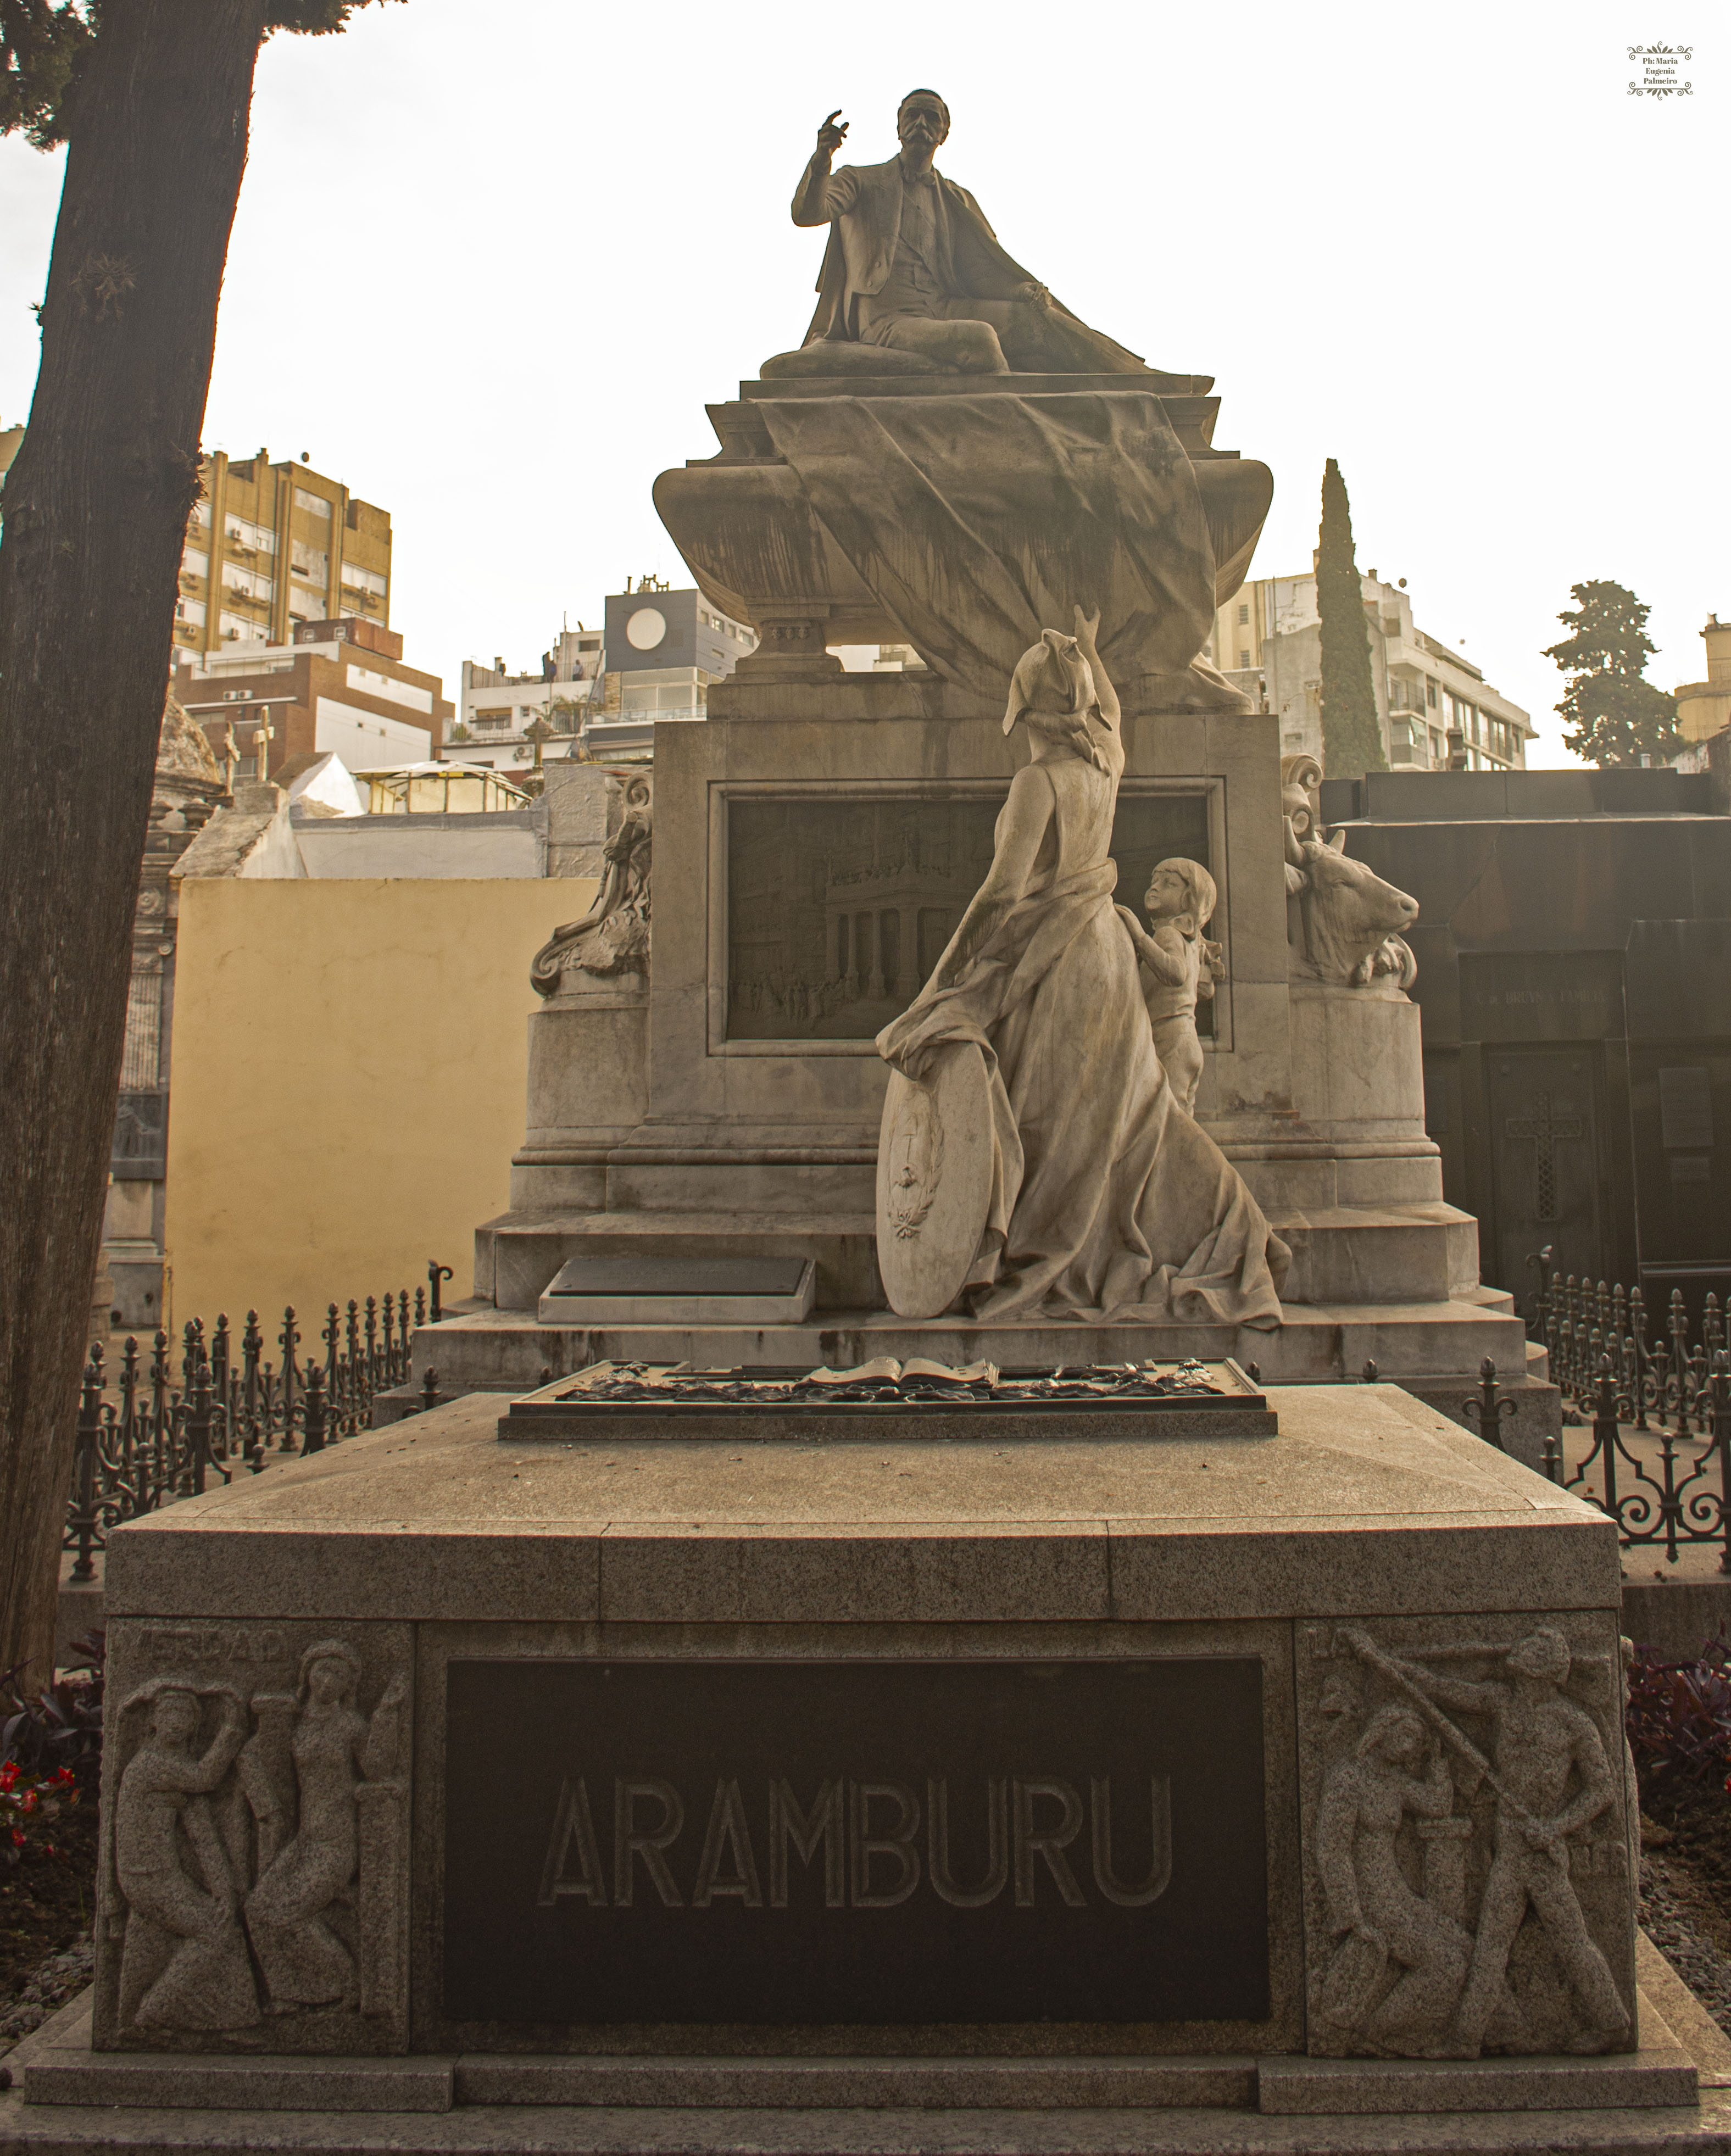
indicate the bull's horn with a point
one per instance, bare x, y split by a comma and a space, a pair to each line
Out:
1295, 855
1336, 844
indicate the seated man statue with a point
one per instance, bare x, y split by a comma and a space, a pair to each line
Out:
913, 265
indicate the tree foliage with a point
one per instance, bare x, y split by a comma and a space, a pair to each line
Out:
1617, 716
43, 44
1352, 735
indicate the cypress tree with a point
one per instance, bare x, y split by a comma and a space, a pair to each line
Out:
1352, 738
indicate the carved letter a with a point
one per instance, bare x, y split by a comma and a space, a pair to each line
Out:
727, 1829
573, 1828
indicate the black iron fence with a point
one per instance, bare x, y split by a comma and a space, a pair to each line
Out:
1630, 1377
159, 1426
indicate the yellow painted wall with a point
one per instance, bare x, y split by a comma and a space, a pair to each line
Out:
350, 1060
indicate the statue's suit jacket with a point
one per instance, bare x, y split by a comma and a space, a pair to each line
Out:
862, 206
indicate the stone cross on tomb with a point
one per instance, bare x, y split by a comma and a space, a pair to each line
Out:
1544, 1130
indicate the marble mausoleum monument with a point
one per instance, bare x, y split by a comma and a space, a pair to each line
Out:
954, 462
866, 1722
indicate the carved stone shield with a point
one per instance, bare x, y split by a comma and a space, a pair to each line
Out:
934, 1179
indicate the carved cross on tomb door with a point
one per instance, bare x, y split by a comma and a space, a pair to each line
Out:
1544, 1130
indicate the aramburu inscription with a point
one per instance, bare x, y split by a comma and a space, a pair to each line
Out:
820, 1843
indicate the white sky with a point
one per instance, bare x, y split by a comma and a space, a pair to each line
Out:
1441, 243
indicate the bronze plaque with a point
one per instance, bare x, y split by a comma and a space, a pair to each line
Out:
874, 1842
838, 910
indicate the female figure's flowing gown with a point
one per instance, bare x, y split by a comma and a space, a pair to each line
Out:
1109, 1201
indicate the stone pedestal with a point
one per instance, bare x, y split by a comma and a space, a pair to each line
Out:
677, 1118
1163, 1666
819, 837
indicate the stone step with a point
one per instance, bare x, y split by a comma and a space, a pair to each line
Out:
1417, 1252
1655, 2077
1316, 1344
63, 2074
1096, 2083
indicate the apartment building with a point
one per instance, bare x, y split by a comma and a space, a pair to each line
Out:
1435, 707
1703, 708
336, 685
495, 708
270, 547
601, 691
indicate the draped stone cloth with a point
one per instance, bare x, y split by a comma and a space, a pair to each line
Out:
976, 520
1107, 1200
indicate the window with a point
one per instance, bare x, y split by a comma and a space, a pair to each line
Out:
189, 610
1244, 658
250, 538
1244, 615
315, 504
1430, 695
364, 580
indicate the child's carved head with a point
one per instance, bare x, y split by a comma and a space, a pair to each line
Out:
1182, 892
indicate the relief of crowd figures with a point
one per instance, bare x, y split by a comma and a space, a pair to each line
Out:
255, 1864
1470, 1874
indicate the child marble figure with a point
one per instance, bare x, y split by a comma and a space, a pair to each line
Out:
1179, 964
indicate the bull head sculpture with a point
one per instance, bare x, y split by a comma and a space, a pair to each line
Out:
1351, 919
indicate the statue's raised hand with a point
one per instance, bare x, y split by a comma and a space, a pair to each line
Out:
1086, 629
830, 137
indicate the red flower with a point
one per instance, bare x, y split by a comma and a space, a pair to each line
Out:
18, 1837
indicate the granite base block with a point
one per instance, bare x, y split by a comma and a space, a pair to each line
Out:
30, 2126
1163, 1657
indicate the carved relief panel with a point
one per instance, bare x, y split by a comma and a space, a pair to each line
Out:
254, 1884
1470, 1866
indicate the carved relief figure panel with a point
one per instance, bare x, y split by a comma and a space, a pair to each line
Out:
612, 939
254, 1887
1470, 1872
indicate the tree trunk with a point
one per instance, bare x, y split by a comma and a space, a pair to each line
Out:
95, 512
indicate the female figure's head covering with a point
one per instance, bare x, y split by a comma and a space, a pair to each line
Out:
1053, 688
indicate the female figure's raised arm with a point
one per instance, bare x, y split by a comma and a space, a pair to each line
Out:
1087, 626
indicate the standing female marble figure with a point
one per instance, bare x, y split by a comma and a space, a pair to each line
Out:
1107, 1199
306, 1963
